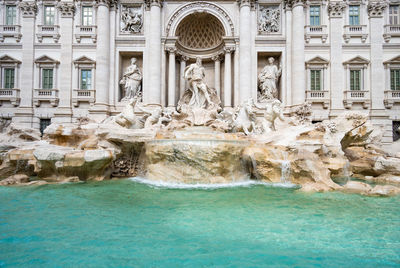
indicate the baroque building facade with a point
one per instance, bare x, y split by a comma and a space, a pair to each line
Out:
64, 59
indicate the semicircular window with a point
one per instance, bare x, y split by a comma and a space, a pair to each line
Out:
200, 31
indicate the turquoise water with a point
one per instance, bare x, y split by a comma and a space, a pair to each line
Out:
125, 223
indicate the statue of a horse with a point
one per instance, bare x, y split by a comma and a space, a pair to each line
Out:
244, 118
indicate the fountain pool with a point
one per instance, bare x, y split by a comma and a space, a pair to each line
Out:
128, 223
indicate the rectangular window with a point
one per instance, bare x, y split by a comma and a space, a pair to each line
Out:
9, 76
47, 79
49, 15
395, 79
44, 123
355, 79
354, 15
315, 79
315, 16
394, 15
86, 79
11, 15
396, 130
87, 16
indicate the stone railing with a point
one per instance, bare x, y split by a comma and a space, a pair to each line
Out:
83, 95
391, 97
43, 95
356, 96
82, 31
52, 31
11, 95
319, 31
318, 96
10, 31
355, 31
392, 30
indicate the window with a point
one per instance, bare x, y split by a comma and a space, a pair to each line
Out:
315, 16
396, 130
354, 15
315, 79
44, 123
49, 15
395, 79
86, 79
87, 16
9, 75
11, 15
47, 78
394, 15
355, 79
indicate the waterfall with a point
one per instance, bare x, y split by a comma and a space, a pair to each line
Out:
285, 171
346, 170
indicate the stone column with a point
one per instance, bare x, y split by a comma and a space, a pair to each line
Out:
336, 11
154, 39
182, 81
113, 90
287, 97
245, 51
63, 113
217, 74
171, 76
228, 77
376, 22
24, 114
101, 106
298, 61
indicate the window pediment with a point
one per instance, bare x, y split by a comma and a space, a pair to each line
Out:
8, 60
357, 61
317, 61
84, 61
393, 61
46, 60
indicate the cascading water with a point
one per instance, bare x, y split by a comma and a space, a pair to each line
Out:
285, 171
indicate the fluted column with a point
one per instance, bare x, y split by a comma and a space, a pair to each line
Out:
23, 115
375, 11
244, 51
64, 111
217, 74
182, 82
298, 60
287, 97
171, 76
154, 38
228, 77
101, 106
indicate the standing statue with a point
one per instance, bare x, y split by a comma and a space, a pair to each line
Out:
194, 74
131, 81
268, 79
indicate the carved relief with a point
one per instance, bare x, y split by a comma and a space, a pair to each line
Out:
336, 9
28, 9
376, 9
66, 9
131, 19
269, 18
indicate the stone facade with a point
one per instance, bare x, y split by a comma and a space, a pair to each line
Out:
337, 55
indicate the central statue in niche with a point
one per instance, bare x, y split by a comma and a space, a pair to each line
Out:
194, 74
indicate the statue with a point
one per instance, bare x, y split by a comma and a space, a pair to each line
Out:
272, 110
131, 81
268, 79
194, 74
244, 118
131, 20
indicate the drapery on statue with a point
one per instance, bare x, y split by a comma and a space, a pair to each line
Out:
131, 81
194, 74
268, 79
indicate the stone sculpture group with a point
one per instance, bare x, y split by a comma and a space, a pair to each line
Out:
201, 106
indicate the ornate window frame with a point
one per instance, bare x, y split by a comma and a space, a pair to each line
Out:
45, 62
391, 96
12, 63
3, 9
84, 63
357, 96
318, 96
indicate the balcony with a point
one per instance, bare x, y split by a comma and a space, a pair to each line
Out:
52, 31
10, 31
391, 97
351, 31
45, 95
83, 95
86, 32
356, 96
319, 31
11, 95
318, 96
391, 31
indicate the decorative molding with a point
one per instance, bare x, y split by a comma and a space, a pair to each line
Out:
336, 9
290, 4
376, 9
28, 9
150, 3
66, 9
201, 7
5, 59
170, 49
216, 58
229, 49
319, 61
84, 61
107, 3
250, 3
46, 60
